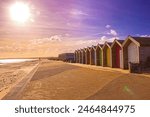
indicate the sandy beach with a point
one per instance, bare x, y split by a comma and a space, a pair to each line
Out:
12, 73
62, 81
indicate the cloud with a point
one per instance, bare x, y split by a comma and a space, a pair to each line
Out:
55, 38
76, 24
86, 42
108, 26
67, 35
139, 35
51, 46
112, 32
77, 12
103, 39
144, 35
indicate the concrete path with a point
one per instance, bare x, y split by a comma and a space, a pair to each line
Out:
62, 81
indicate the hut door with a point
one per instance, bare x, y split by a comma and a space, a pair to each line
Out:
95, 62
92, 57
118, 48
100, 57
97, 57
108, 56
121, 59
133, 53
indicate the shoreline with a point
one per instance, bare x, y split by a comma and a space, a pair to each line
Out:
12, 61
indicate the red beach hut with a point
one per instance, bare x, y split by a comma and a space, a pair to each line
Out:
116, 48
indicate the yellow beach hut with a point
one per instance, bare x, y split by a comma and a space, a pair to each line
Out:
106, 55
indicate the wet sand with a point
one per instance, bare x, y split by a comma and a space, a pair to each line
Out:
11, 74
61, 81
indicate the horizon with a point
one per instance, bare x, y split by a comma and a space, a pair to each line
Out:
54, 27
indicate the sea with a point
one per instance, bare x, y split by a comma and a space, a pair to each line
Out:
7, 61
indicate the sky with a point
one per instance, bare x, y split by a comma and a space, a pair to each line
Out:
58, 26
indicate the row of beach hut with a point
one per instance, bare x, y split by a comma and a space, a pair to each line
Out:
117, 54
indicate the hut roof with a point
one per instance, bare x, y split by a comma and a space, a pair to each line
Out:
81, 49
109, 43
84, 49
76, 50
140, 41
99, 45
120, 41
89, 48
94, 47
143, 41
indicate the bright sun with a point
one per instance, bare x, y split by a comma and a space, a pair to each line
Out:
20, 12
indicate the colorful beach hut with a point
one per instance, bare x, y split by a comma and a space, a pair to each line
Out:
136, 50
87, 55
83, 56
77, 56
106, 55
92, 55
80, 56
99, 54
116, 50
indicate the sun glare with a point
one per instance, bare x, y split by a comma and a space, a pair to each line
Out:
20, 12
